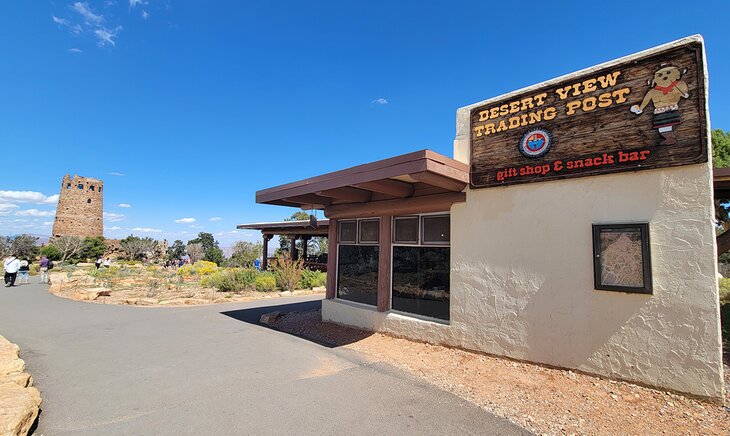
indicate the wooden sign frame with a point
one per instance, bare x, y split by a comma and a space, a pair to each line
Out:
644, 111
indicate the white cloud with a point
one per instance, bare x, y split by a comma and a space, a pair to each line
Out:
124, 205
113, 217
114, 228
74, 28
114, 173
216, 218
185, 220
106, 36
75, 50
145, 15
47, 223
35, 212
133, 3
5, 208
83, 9
380, 101
146, 230
27, 197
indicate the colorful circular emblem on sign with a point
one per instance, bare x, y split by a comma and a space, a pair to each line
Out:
535, 143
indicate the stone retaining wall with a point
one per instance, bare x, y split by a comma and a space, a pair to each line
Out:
19, 400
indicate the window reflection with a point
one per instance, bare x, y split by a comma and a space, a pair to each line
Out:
421, 280
357, 273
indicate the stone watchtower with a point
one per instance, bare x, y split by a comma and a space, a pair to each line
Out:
80, 208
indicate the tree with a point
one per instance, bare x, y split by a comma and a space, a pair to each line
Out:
24, 247
195, 251
244, 253
93, 248
51, 252
5, 244
213, 253
720, 148
721, 159
136, 248
176, 250
69, 246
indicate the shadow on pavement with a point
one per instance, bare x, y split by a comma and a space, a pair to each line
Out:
303, 320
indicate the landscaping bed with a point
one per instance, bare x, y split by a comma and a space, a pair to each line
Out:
202, 283
543, 400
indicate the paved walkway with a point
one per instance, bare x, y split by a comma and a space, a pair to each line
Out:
106, 369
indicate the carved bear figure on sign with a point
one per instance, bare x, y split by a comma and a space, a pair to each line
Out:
667, 90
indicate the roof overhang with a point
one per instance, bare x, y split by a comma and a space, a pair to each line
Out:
287, 228
721, 182
423, 181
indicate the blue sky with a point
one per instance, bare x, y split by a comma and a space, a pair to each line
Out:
186, 108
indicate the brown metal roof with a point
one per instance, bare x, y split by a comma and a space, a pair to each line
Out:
302, 227
419, 174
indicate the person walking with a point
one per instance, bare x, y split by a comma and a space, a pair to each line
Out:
98, 262
11, 265
44, 263
107, 263
24, 272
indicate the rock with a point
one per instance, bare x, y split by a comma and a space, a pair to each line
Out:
18, 408
285, 293
269, 318
19, 402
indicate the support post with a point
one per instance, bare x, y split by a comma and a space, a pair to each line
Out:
384, 264
265, 257
293, 251
332, 259
305, 241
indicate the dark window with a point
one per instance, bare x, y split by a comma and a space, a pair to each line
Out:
91, 187
357, 273
88, 201
436, 229
421, 280
406, 230
68, 186
80, 186
369, 231
99, 188
348, 231
621, 258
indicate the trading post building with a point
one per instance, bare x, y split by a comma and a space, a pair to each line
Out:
574, 227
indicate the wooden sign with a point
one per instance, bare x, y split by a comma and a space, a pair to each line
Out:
644, 112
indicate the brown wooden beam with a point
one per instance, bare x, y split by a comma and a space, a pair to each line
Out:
440, 181
424, 204
723, 242
347, 193
265, 258
394, 188
309, 199
332, 260
293, 251
322, 231
384, 264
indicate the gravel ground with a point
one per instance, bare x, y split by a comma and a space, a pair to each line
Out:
543, 400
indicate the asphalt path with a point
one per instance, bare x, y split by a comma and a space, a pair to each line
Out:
123, 370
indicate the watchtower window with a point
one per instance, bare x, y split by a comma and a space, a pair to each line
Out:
99, 188
91, 187
68, 186
80, 186
88, 201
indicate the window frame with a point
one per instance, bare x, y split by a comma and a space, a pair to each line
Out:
417, 218
339, 232
359, 226
340, 243
393, 244
422, 230
643, 228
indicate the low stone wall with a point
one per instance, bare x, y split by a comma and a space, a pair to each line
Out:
19, 400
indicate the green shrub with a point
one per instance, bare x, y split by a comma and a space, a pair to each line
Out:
287, 273
724, 291
51, 252
265, 282
312, 279
234, 279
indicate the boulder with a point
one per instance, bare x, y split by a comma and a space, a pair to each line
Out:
270, 318
18, 408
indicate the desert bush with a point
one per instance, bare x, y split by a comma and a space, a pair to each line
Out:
312, 279
725, 291
199, 268
287, 273
265, 282
228, 280
51, 252
34, 268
